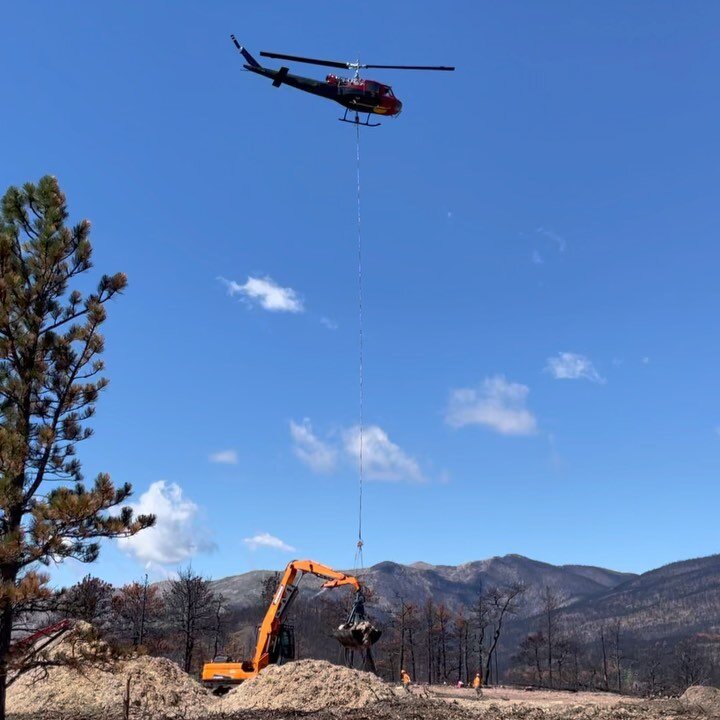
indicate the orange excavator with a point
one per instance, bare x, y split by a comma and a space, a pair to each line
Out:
275, 641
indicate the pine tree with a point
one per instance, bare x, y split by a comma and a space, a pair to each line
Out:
50, 380
89, 600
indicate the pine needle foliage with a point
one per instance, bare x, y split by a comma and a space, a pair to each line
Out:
50, 380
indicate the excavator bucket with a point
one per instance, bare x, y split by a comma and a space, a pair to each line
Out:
357, 635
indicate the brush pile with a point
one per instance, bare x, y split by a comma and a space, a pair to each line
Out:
703, 698
307, 686
98, 689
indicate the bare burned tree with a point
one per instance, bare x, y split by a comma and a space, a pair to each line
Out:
269, 586
190, 610
531, 654
443, 634
480, 614
219, 622
430, 626
503, 602
551, 602
604, 647
690, 666
572, 642
653, 669
137, 607
404, 620
617, 651
461, 635
411, 626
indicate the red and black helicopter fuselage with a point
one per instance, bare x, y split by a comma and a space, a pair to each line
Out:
355, 94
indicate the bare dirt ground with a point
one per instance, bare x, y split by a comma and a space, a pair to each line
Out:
502, 695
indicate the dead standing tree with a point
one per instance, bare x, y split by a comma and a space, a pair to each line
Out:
690, 665
190, 609
503, 601
604, 648
136, 608
480, 613
429, 617
443, 628
404, 619
50, 380
531, 653
617, 653
219, 622
551, 602
461, 635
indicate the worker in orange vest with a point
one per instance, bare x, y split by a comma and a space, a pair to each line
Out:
477, 684
405, 680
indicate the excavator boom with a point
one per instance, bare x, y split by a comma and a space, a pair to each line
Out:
270, 635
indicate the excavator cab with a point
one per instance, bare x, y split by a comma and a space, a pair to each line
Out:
283, 645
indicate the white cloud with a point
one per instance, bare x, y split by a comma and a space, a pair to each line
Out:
382, 459
328, 323
318, 455
266, 540
176, 535
537, 258
572, 366
645, 360
497, 403
266, 293
226, 457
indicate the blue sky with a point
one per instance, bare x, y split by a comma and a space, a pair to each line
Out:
540, 275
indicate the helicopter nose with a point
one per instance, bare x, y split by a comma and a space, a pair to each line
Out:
397, 109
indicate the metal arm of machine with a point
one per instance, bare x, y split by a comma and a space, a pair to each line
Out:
284, 596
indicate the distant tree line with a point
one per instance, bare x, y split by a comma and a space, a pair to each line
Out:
437, 645
184, 620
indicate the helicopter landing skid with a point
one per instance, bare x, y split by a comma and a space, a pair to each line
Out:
356, 121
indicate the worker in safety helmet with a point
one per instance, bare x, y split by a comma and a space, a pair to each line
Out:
477, 684
405, 680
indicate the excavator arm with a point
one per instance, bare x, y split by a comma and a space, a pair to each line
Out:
222, 674
284, 596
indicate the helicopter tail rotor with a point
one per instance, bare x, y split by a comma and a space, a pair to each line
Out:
249, 59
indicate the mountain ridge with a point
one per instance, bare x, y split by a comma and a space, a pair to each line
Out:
682, 597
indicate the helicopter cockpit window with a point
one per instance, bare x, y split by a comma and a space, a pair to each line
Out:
388, 91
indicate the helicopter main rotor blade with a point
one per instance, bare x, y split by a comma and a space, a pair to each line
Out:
410, 67
312, 61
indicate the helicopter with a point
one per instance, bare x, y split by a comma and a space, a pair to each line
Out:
355, 94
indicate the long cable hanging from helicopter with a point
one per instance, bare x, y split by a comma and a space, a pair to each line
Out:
358, 95
359, 561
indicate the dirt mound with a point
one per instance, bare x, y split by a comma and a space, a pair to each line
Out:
158, 688
309, 686
705, 697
